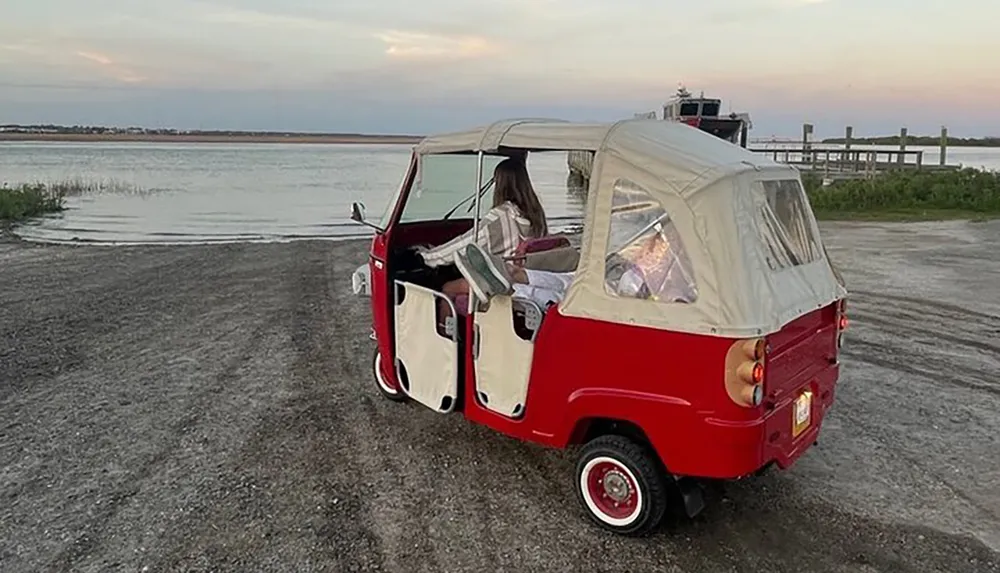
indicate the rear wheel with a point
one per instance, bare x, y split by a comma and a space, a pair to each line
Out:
620, 485
384, 388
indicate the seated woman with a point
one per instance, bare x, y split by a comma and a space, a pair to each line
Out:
516, 215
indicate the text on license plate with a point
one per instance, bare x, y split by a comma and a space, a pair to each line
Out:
803, 408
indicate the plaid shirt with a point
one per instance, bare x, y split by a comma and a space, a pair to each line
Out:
501, 230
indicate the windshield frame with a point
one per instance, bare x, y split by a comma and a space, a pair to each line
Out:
397, 215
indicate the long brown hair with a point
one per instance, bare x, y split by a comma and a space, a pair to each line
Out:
513, 184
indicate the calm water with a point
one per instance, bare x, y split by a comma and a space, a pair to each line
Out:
253, 192
223, 192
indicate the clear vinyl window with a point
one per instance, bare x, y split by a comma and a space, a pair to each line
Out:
646, 257
785, 225
447, 182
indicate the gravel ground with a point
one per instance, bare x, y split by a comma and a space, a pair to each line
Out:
211, 408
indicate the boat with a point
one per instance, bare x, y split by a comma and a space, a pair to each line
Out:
704, 113
701, 112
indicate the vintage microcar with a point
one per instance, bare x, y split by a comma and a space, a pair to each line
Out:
729, 373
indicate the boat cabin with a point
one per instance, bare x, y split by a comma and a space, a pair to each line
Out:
704, 113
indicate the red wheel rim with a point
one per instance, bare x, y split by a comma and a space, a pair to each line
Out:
612, 490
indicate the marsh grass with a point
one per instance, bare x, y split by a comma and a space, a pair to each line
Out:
29, 200
80, 186
909, 195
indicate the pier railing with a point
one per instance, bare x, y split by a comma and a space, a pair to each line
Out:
844, 162
829, 162
835, 160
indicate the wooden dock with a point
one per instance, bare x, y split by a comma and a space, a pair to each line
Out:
836, 162
845, 161
580, 165
832, 162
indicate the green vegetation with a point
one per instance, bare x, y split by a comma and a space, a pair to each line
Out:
918, 140
51, 129
29, 200
908, 196
81, 186
26, 200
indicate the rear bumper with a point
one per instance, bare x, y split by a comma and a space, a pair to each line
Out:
781, 445
734, 449
785, 457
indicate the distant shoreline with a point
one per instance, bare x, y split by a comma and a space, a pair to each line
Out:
918, 141
212, 138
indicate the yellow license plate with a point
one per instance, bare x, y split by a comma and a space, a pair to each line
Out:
802, 412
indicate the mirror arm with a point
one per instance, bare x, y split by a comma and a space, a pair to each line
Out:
372, 225
357, 215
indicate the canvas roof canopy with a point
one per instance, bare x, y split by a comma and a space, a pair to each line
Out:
742, 256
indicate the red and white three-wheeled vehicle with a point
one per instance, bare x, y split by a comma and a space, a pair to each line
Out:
731, 378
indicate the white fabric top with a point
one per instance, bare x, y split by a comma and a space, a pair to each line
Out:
529, 134
721, 203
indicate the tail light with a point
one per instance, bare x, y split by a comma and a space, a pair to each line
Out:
745, 370
842, 322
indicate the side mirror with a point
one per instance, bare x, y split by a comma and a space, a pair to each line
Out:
358, 216
358, 212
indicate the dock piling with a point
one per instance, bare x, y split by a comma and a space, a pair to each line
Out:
902, 146
944, 146
848, 157
807, 131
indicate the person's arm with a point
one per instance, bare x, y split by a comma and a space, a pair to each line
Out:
497, 234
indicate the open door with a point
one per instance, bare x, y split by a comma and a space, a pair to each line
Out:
426, 360
503, 351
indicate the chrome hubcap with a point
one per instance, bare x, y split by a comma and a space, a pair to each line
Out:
616, 486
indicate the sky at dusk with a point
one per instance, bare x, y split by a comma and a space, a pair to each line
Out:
408, 66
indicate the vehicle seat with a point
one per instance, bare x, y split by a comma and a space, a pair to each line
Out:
540, 244
560, 260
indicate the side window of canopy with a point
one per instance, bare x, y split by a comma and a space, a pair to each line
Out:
645, 256
785, 225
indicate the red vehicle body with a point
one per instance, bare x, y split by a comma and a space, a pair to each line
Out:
685, 413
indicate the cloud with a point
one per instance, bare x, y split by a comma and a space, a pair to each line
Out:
258, 19
110, 67
418, 45
333, 59
19, 48
95, 57
756, 10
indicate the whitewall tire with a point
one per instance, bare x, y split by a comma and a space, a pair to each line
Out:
381, 383
620, 485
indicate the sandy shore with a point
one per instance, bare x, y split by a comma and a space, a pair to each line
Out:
211, 408
331, 138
